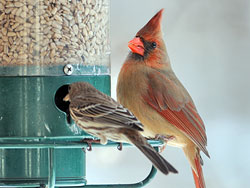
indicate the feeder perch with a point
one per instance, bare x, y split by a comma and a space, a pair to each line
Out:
45, 45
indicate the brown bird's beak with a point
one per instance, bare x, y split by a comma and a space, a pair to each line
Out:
66, 98
136, 46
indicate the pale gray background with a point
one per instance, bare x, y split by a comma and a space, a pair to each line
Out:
209, 46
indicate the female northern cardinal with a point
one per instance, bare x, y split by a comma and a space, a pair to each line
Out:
148, 87
101, 116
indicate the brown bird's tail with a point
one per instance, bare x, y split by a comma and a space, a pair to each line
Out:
198, 177
158, 161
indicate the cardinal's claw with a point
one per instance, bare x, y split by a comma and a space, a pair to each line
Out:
165, 139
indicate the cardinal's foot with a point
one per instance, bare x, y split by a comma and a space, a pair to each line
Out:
165, 138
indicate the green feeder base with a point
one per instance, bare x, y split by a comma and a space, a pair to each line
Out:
28, 110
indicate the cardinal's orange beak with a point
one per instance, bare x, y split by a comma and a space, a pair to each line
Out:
136, 46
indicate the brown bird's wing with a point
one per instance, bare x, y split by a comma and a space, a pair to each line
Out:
170, 99
110, 113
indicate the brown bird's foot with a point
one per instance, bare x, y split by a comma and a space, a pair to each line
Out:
119, 147
89, 141
164, 138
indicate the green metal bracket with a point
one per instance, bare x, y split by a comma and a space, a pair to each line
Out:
53, 143
142, 183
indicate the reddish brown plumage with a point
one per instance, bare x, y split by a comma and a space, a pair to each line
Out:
164, 96
149, 88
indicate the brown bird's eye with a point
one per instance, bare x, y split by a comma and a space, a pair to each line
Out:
154, 44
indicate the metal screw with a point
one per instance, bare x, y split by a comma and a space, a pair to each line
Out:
68, 69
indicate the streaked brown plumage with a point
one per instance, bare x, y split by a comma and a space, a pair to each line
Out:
101, 116
149, 88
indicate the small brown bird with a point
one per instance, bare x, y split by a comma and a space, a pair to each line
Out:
101, 116
149, 88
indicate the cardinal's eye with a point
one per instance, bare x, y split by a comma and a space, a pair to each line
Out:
153, 44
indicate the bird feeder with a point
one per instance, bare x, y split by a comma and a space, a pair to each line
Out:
44, 46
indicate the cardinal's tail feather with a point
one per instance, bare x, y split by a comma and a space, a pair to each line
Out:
198, 174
